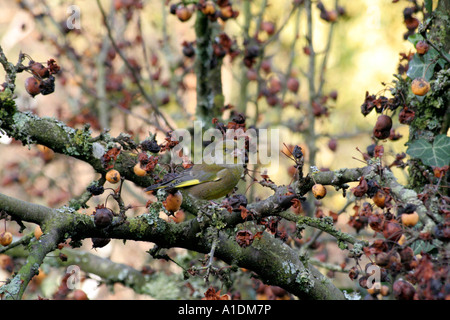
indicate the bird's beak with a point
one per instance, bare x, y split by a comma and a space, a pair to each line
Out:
238, 155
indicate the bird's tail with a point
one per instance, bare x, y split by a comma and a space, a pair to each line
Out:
155, 187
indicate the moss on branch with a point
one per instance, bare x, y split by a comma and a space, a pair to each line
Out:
15, 288
56, 135
265, 257
208, 70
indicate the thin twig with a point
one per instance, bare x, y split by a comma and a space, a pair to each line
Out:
438, 50
325, 56
135, 75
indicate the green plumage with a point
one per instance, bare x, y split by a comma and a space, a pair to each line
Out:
205, 181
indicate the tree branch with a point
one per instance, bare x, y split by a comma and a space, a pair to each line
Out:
55, 223
54, 134
275, 262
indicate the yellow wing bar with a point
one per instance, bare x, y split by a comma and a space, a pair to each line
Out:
188, 183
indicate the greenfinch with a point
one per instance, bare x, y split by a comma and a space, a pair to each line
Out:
208, 180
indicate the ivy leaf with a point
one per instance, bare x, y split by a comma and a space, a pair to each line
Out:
430, 55
436, 154
414, 38
442, 62
421, 63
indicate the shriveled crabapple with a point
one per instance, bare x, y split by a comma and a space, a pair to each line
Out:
100, 242
422, 47
113, 176
6, 238
183, 13
103, 217
173, 202
382, 129
420, 86
38, 69
138, 170
403, 290
319, 191
32, 86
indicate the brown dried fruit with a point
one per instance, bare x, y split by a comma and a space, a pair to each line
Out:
382, 129
332, 144
353, 273
293, 84
406, 116
392, 231
268, 27
412, 23
382, 259
361, 189
379, 199
38, 69
32, 85
183, 13
188, 49
403, 290
422, 47
103, 217
173, 202
406, 255
208, 8
375, 222
244, 238
47, 86
100, 242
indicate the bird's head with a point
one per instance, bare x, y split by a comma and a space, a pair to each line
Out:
225, 152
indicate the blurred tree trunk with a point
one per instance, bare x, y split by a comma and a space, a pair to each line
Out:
208, 71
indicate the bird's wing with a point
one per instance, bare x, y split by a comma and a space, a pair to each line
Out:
187, 178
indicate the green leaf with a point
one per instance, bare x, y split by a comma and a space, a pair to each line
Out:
436, 154
421, 63
414, 38
441, 148
420, 246
442, 62
431, 54
429, 5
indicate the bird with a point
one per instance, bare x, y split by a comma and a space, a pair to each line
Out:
210, 179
